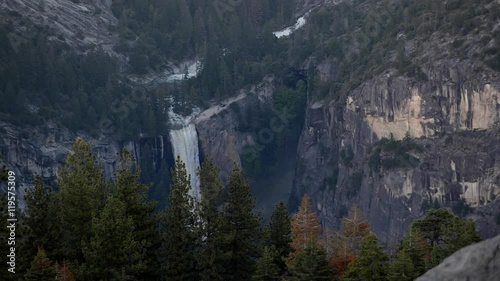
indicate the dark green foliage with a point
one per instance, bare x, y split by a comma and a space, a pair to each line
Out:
79, 91
210, 258
311, 265
391, 153
141, 213
233, 38
445, 233
266, 268
83, 193
242, 228
402, 268
38, 221
180, 237
277, 130
278, 236
112, 252
41, 269
372, 263
413, 258
429, 241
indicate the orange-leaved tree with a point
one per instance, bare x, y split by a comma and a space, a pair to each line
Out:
305, 230
305, 226
346, 244
308, 259
64, 273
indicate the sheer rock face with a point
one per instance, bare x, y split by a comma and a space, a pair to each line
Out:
39, 151
452, 115
220, 127
480, 261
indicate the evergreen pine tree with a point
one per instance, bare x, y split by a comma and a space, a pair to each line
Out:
242, 228
210, 260
180, 235
402, 268
141, 211
41, 269
37, 202
83, 191
311, 264
112, 253
372, 263
266, 268
36, 230
279, 235
445, 234
413, 258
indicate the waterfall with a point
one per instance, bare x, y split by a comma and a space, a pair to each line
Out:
185, 144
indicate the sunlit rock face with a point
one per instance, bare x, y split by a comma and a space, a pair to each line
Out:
452, 115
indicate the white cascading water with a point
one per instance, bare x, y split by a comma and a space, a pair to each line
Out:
185, 144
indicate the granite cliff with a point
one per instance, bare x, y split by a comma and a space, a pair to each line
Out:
453, 117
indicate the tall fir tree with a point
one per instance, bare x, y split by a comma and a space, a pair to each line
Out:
311, 264
279, 235
372, 263
134, 195
180, 233
210, 257
37, 214
413, 257
83, 192
266, 268
36, 231
242, 228
112, 253
402, 268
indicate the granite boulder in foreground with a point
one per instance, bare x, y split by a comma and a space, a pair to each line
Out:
480, 262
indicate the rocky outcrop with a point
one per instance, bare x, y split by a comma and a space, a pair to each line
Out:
38, 151
480, 261
220, 127
452, 115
